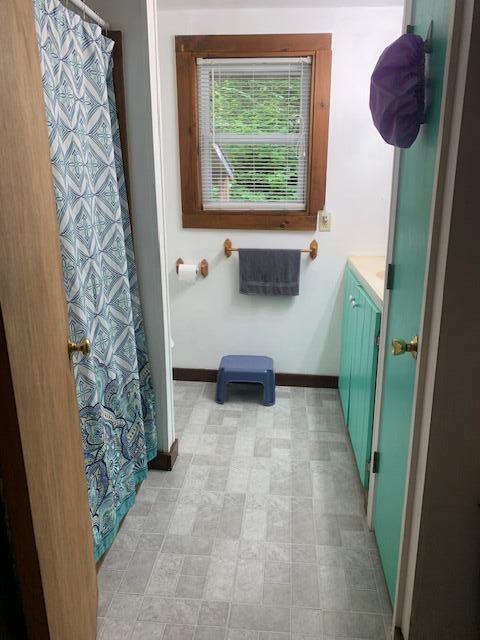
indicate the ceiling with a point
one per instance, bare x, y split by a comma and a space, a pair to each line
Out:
272, 4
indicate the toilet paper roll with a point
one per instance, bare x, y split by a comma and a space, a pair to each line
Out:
187, 272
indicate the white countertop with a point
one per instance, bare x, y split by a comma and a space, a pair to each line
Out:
370, 270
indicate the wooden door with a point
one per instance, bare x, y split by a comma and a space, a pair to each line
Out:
41, 460
412, 228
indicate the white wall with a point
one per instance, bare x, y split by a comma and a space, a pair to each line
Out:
145, 197
210, 318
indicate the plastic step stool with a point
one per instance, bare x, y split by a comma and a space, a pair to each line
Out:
257, 369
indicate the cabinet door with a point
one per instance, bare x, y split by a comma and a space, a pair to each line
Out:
362, 379
346, 343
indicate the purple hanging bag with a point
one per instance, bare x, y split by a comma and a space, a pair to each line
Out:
397, 91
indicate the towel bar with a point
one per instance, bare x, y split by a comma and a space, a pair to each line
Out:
312, 250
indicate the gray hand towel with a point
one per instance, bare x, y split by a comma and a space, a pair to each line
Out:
269, 272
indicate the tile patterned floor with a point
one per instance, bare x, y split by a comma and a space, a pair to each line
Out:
257, 534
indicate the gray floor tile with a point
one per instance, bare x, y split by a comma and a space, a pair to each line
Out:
360, 578
230, 525
109, 579
187, 545
251, 550
354, 625
261, 618
209, 633
278, 523
169, 610
190, 586
116, 630
151, 541
124, 607
260, 524
330, 556
195, 565
278, 552
178, 632
277, 572
104, 600
364, 600
240, 634
277, 594
327, 530
148, 631
127, 538
225, 549
217, 479
303, 530
350, 523
220, 579
305, 591
255, 524
214, 614
139, 570
259, 479
263, 447
159, 518
356, 558
307, 622
303, 553
182, 521
333, 586
165, 575
117, 559
302, 481
249, 581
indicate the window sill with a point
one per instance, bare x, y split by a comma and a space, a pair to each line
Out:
270, 220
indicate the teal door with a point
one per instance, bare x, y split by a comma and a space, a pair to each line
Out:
416, 182
363, 377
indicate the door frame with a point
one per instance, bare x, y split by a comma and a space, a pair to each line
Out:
452, 102
168, 439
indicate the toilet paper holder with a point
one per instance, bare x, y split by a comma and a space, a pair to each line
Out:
203, 267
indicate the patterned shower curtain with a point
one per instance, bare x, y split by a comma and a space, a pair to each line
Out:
114, 391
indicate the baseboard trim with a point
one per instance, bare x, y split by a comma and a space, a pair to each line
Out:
281, 379
195, 375
164, 460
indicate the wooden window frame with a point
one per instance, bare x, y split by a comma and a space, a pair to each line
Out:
188, 49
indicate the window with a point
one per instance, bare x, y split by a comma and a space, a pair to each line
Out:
254, 122
253, 125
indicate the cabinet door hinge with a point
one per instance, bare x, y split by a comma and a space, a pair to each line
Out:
377, 340
375, 461
390, 274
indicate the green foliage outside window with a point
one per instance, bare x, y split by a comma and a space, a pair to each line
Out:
263, 171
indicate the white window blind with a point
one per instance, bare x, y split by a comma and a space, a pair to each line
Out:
254, 130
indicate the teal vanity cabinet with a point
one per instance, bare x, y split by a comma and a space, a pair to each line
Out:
358, 368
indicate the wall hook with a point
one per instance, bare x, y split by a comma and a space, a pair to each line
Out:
428, 38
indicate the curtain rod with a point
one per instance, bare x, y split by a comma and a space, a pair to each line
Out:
89, 12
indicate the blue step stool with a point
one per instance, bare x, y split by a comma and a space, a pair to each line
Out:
257, 369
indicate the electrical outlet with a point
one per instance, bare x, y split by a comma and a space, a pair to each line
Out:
325, 221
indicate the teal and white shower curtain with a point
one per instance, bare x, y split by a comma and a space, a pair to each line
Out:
114, 391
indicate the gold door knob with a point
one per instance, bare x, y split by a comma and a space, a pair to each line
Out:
85, 346
400, 346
